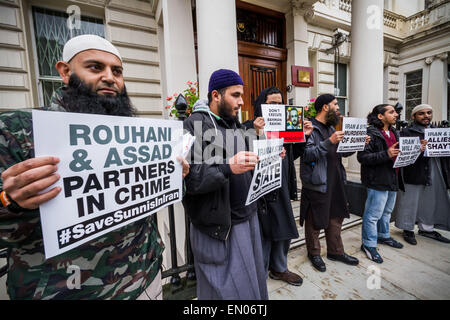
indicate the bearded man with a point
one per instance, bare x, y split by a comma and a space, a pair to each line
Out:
122, 264
225, 235
323, 201
426, 199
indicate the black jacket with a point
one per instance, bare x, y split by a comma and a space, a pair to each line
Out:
419, 173
207, 198
377, 170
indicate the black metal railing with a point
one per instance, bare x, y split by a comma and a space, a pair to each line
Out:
177, 285
4, 255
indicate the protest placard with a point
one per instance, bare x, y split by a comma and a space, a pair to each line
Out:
410, 151
283, 122
355, 131
267, 174
114, 171
438, 142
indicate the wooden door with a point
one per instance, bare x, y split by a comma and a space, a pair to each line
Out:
258, 74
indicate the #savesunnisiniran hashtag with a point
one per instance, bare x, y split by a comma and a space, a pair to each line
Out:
65, 235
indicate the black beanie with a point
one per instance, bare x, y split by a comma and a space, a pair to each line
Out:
323, 99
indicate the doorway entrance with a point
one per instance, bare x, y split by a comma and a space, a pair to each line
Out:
262, 53
257, 74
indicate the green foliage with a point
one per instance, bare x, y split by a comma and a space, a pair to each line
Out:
190, 94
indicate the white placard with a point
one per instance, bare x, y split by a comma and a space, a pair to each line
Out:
410, 151
274, 117
438, 142
355, 131
283, 122
114, 171
267, 174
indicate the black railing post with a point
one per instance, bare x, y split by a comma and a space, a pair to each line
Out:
181, 106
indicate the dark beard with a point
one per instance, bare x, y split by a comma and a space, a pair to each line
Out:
79, 97
225, 115
332, 118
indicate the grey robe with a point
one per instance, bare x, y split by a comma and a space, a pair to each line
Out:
429, 205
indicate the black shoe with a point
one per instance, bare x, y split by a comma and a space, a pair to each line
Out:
372, 254
434, 235
390, 242
409, 237
345, 258
317, 262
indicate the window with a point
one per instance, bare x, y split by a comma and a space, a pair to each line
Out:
340, 86
51, 33
413, 92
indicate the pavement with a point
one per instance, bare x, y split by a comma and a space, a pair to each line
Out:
413, 272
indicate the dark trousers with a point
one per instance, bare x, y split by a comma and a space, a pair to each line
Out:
332, 235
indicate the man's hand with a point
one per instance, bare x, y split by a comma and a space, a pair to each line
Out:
283, 153
307, 127
393, 151
24, 181
367, 140
185, 165
243, 161
259, 125
336, 137
423, 145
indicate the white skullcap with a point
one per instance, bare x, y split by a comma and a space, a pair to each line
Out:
421, 107
87, 42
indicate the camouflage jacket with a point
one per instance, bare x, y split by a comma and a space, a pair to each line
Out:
118, 265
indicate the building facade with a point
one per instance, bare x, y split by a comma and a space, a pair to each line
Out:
365, 52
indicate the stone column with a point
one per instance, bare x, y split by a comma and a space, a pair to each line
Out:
176, 46
216, 38
437, 86
366, 66
297, 45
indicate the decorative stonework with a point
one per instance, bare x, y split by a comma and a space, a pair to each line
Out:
303, 8
429, 60
443, 56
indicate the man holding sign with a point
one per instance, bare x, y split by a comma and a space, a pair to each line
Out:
122, 264
276, 217
225, 236
381, 179
323, 202
425, 199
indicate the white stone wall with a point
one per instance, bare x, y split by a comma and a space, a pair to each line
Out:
131, 27
15, 82
129, 24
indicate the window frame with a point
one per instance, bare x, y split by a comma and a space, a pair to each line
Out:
345, 98
38, 79
404, 114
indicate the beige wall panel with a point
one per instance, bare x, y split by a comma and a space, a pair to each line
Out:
147, 104
14, 100
11, 38
8, 15
116, 15
138, 54
136, 37
325, 77
133, 70
12, 58
13, 79
322, 56
142, 87
326, 67
133, 5
325, 88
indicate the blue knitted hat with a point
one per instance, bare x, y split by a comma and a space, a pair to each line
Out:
223, 78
